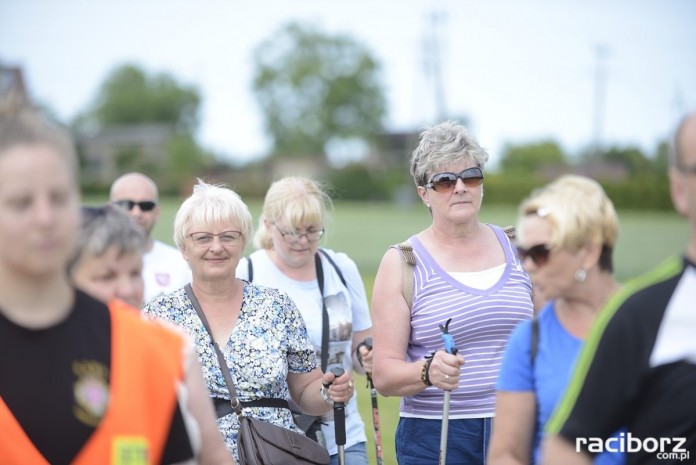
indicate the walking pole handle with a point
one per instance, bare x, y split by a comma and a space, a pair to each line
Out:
447, 338
339, 409
367, 342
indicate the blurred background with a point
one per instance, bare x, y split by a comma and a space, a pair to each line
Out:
246, 92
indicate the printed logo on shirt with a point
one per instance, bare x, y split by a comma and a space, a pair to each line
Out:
163, 279
90, 391
663, 448
130, 450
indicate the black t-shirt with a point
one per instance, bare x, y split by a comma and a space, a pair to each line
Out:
638, 370
55, 381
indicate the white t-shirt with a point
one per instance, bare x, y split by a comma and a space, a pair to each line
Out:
164, 270
348, 312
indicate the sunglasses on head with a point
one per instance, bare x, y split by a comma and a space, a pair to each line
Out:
538, 253
440, 182
146, 205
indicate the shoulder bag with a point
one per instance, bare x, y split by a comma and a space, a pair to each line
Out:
260, 442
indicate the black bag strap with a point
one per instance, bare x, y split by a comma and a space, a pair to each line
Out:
333, 263
534, 346
234, 401
250, 270
324, 315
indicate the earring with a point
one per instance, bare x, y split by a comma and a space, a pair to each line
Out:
427, 205
580, 275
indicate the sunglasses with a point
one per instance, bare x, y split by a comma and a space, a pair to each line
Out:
538, 253
441, 182
144, 206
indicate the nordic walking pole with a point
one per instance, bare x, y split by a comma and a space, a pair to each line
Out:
452, 349
339, 409
375, 410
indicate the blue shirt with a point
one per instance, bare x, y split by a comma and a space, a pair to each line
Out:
557, 351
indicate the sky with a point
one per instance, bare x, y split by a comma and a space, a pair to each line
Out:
612, 72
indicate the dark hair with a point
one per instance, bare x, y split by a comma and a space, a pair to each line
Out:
103, 227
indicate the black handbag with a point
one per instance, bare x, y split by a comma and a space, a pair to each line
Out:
260, 442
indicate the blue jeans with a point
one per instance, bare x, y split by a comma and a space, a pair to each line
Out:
355, 455
418, 441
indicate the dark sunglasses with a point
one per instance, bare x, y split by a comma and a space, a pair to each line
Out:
471, 177
538, 253
145, 206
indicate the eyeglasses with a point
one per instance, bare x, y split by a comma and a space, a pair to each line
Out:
204, 239
538, 253
293, 237
441, 182
145, 206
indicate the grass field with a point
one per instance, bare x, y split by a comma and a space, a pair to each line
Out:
365, 231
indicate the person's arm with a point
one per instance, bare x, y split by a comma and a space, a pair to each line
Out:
556, 450
212, 448
305, 390
393, 375
513, 428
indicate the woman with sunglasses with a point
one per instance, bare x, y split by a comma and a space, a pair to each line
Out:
465, 271
108, 260
566, 233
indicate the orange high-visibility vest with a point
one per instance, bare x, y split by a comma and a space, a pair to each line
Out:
146, 366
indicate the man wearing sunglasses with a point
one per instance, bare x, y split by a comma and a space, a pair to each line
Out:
638, 367
164, 269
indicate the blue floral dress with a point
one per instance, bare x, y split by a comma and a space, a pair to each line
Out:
269, 340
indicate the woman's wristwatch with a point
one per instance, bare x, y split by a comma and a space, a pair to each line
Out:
325, 395
425, 371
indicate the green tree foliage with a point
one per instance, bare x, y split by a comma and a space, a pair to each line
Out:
314, 88
129, 96
152, 113
631, 158
532, 158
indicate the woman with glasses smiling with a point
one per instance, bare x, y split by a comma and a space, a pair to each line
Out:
258, 329
466, 271
566, 234
290, 227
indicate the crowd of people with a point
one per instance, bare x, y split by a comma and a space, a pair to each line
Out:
507, 346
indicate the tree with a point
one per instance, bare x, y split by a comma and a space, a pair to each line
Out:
631, 158
314, 88
149, 121
532, 158
130, 97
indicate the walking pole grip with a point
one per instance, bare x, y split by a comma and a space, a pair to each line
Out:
339, 409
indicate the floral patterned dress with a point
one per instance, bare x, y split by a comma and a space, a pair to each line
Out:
269, 340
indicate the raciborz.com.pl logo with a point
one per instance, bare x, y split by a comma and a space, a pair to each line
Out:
663, 448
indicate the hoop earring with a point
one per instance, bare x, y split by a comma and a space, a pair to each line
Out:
580, 275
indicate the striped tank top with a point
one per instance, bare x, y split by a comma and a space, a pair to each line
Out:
482, 320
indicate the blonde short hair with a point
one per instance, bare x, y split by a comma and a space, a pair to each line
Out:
294, 200
579, 213
212, 203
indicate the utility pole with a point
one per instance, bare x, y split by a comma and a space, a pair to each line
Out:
432, 61
601, 54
